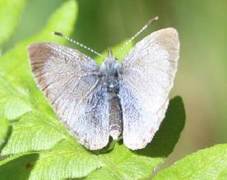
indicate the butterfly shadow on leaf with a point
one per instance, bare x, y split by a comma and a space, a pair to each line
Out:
167, 136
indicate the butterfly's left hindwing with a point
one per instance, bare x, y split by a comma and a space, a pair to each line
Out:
148, 76
69, 80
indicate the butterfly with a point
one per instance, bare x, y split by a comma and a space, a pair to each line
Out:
127, 99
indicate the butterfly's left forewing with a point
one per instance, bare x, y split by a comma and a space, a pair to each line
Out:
148, 76
69, 80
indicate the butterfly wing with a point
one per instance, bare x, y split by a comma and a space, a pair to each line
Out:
148, 76
69, 80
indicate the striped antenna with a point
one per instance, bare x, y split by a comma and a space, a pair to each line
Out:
77, 43
140, 31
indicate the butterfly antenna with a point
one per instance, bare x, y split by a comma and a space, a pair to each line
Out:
140, 31
77, 43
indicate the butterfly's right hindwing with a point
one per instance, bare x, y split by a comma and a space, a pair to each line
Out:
69, 80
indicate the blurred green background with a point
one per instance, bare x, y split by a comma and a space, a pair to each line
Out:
201, 79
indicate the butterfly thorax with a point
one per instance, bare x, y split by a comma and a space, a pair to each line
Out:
110, 72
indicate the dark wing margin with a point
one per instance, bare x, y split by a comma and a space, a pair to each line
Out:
69, 80
148, 75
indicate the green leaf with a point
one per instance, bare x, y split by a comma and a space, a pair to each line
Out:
223, 175
16, 107
210, 163
4, 125
65, 160
33, 132
122, 163
14, 101
10, 12
17, 167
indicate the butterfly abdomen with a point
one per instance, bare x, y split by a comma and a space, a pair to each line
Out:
115, 117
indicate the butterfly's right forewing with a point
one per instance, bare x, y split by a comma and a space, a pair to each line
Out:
69, 80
